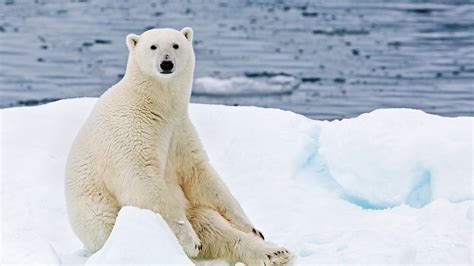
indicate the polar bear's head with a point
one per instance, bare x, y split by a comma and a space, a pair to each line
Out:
161, 53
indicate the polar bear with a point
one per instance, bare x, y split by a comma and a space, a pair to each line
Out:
139, 148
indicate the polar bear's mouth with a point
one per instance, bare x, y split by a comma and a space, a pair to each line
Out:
166, 67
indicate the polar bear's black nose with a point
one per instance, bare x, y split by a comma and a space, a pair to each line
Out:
166, 66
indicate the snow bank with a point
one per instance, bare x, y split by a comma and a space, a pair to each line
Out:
245, 86
314, 186
389, 157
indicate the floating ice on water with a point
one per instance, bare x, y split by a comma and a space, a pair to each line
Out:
279, 84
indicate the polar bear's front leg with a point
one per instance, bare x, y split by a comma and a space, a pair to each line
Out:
173, 211
156, 195
207, 188
203, 186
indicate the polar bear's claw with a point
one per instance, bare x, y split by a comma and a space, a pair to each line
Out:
281, 256
198, 246
258, 233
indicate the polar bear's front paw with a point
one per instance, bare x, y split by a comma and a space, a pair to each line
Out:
192, 247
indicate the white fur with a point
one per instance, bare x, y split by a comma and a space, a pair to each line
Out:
139, 148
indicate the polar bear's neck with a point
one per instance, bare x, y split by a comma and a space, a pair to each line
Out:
170, 95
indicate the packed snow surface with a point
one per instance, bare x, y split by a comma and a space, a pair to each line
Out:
390, 186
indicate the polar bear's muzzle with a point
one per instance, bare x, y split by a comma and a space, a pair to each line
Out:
166, 67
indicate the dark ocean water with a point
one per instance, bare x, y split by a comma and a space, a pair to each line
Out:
348, 57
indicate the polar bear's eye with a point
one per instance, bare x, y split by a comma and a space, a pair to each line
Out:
153, 47
175, 46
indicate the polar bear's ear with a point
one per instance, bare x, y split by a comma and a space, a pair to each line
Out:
132, 41
188, 33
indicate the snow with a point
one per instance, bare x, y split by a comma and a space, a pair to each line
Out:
133, 228
278, 84
390, 186
413, 157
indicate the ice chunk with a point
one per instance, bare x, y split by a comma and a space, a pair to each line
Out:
279, 84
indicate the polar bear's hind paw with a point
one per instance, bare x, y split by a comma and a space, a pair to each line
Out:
280, 256
271, 256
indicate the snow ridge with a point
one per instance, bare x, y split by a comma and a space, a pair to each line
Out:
315, 167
